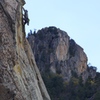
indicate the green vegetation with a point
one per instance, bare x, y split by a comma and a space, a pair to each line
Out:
54, 84
73, 90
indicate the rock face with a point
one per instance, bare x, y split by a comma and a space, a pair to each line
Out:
19, 76
55, 51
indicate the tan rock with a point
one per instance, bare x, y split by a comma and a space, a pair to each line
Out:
62, 48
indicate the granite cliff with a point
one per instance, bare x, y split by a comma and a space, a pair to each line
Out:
19, 76
55, 52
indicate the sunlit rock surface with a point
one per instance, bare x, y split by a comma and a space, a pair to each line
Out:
19, 76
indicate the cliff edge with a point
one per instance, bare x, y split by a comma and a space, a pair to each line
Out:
19, 76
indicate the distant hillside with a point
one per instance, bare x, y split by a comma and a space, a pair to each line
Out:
55, 52
63, 65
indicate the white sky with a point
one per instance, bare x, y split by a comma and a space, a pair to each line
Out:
79, 18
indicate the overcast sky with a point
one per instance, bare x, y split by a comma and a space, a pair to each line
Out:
79, 18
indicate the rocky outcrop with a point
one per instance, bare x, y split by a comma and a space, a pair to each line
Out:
55, 51
19, 76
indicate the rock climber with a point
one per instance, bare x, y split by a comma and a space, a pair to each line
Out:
25, 17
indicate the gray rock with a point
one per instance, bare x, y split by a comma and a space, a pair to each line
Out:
19, 76
54, 51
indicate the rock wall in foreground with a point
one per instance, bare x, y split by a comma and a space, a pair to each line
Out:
19, 76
